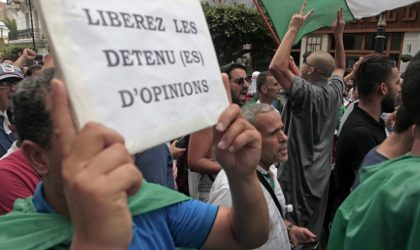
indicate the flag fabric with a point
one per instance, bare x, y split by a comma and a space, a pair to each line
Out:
280, 12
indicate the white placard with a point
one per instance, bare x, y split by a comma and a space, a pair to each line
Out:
144, 68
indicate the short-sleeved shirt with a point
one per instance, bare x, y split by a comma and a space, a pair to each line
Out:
310, 118
278, 239
384, 211
18, 179
360, 133
186, 224
372, 158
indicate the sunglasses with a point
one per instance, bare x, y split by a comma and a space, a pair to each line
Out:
241, 80
8, 83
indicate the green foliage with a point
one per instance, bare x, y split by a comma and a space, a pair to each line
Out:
232, 26
10, 24
11, 51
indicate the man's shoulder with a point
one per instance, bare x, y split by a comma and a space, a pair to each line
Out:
15, 162
356, 121
373, 157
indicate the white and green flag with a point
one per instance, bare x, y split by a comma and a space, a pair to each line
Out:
280, 12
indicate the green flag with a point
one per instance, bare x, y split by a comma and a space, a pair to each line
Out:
280, 12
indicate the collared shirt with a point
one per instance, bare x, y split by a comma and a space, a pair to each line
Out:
360, 133
278, 239
185, 224
6, 122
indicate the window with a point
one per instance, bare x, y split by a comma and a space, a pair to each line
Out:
351, 41
27, 21
396, 41
313, 43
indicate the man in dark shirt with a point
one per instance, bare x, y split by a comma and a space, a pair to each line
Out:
377, 82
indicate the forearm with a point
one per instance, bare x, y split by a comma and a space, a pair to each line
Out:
340, 56
280, 61
20, 62
205, 166
348, 77
279, 66
250, 212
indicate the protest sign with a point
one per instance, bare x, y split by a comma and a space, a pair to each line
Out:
144, 68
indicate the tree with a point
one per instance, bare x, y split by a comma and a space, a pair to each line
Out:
10, 24
233, 26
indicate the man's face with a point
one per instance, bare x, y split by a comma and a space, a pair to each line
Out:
307, 68
238, 86
274, 140
7, 87
394, 87
271, 88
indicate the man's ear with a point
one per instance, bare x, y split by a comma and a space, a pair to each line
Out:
310, 70
264, 89
383, 88
36, 155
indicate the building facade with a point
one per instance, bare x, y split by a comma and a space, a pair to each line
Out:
402, 37
27, 19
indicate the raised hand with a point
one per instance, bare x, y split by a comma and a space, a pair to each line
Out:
98, 175
237, 143
298, 19
29, 54
338, 24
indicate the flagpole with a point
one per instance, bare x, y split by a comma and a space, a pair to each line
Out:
266, 22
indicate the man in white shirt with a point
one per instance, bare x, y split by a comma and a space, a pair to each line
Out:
274, 150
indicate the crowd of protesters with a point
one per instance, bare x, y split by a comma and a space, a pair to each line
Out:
315, 159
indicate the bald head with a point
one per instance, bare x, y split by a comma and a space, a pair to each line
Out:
323, 63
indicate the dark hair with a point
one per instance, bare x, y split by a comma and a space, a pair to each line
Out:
403, 120
231, 67
6, 58
373, 70
261, 79
411, 89
33, 68
31, 117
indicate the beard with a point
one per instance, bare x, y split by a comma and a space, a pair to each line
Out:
388, 104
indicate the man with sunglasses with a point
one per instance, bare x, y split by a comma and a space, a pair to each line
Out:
239, 83
310, 119
9, 77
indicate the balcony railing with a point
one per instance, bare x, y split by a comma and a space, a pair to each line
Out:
24, 34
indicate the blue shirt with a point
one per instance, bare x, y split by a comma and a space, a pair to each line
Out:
371, 158
186, 224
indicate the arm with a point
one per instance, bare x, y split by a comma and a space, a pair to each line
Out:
299, 235
90, 161
200, 153
279, 65
246, 224
26, 54
350, 76
175, 151
340, 56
